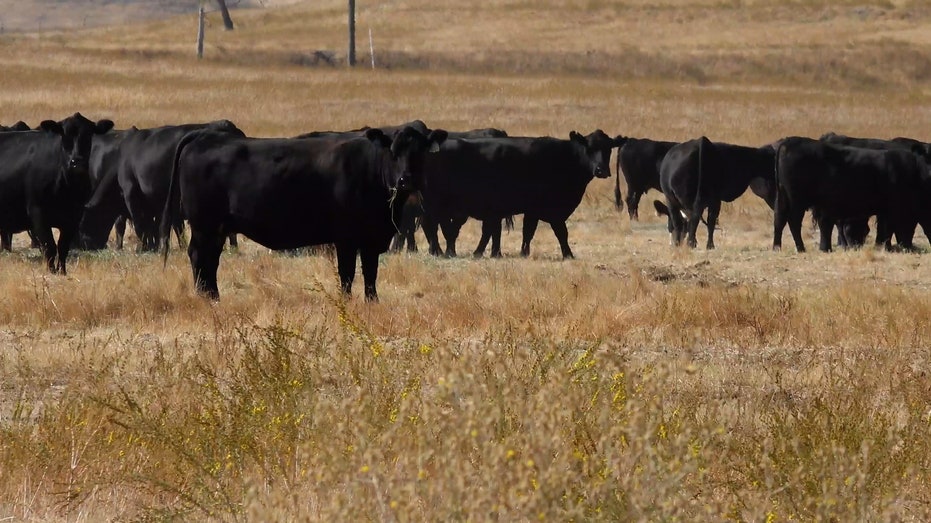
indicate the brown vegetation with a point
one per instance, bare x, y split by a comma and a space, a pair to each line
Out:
636, 382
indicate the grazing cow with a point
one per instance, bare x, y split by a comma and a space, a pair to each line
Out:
700, 174
413, 211
849, 184
410, 221
106, 206
145, 170
45, 181
292, 193
493, 178
639, 160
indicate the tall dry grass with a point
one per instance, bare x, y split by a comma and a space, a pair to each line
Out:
636, 382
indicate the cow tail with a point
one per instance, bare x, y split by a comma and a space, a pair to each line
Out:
781, 205
701, 146
172, 209
618, 203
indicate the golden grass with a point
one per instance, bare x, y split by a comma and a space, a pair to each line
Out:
635, 382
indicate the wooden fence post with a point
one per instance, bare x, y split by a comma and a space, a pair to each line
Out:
225, 13
352, 33
200, 32
371, 48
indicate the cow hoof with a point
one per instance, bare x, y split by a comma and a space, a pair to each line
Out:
210, 294
478, 255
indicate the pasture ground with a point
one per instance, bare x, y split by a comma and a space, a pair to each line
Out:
635, 382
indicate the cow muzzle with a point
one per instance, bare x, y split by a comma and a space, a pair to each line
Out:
78, 164
600, 172
404, 183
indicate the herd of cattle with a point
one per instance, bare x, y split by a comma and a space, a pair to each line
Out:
358, 190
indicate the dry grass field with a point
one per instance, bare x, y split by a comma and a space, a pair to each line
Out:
636, 382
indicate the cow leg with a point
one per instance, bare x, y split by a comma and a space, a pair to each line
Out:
429, 227
43, 232
905, 236
120, 227
346, 266
780, 219
451, 230
411, 240
826, 226
369, 273
65, 237
529, 229
204, 251
234, 242
49, 250
487, 232
397, 242
6, 241
842, 240
562, 236
795, 225
142, 222
33, 241
693, 222
496, 240
884, 232
633, 204
713, 211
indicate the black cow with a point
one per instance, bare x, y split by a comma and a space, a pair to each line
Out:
17, 127
410, 217
849, 184
921, 149
106, 206
45, 181
700, 174
6, 238
145, 170
853, 233
413, 211
388, 130
493, 178
292, 193
639, 160
410, 221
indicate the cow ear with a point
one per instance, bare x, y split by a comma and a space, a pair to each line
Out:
51, 126
377, 137
620, 140
437, 137
661, 209
103, 126
20, 126
576, 137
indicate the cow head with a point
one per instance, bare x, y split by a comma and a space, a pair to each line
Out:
596, 149
77, 133
407, 148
